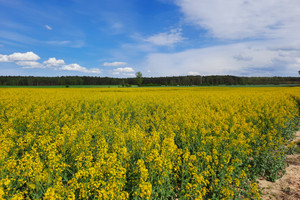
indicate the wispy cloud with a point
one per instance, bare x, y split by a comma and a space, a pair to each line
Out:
63, 42
166, 39
17, 37
114, 64
117, 27
48, 27
68, 43
152, 43
24, 39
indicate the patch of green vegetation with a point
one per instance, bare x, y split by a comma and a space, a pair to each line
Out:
293, 148
146, 85
65, 86
269, 85
297, 148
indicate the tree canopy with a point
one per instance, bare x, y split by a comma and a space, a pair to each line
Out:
139, 78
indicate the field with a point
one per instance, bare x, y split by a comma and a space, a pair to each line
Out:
143, 143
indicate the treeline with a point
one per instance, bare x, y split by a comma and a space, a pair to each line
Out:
146, 81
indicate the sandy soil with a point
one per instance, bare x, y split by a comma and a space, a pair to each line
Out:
288, 187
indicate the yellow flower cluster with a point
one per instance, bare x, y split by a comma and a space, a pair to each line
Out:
143, 143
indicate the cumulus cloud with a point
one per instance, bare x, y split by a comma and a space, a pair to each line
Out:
29, 61
29, 64
28, 56
4, 58
166, 39
76, 67
124, 70
114, 64
73, 67
237, 19
127, 71
48, 27
53, 62
26, 60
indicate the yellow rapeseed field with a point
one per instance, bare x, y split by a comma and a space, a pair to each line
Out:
143, 143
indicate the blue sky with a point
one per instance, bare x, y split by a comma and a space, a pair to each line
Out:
118, 38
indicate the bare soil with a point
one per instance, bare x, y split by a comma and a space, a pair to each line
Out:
287, 187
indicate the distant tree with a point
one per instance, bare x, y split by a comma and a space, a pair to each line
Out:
139, 78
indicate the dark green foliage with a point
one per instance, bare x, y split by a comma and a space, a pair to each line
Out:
147, 81
139, 78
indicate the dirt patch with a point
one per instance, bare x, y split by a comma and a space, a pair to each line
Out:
287, 187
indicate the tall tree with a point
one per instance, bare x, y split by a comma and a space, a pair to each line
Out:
139, 78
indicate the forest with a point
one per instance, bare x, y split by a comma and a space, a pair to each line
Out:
146, 81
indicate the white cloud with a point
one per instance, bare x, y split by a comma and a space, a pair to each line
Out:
29, 64
114, 64
237, 19
266, 60
28, 56
76, 67
26, 60
166, 39
193, 73
29, 61
48, 27
123, 70
95, 71
52, 62
4, 58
